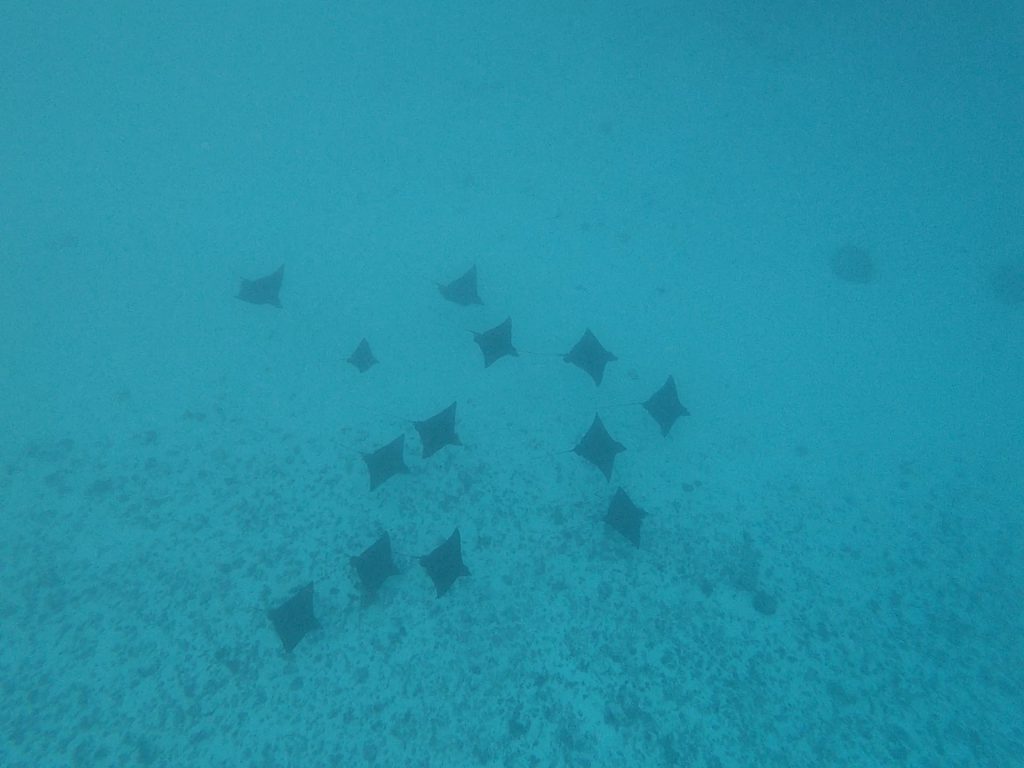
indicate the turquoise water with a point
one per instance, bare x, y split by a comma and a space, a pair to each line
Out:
809, 215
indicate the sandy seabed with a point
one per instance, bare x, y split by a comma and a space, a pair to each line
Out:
782, 617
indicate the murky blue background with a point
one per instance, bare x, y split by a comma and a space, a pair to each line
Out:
678, 177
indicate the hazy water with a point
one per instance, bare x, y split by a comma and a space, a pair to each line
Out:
677, 179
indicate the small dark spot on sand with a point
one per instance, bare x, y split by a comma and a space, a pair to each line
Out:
764, 603
853, 264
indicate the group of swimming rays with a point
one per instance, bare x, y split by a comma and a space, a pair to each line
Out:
295, 618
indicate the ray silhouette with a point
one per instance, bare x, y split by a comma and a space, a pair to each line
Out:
263, 290
438, 431
444, 565
625, 516
386, 462
664, 406
362, 358
496, 343
599, 448
294, 618
462, 290
590, 356
375, 565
